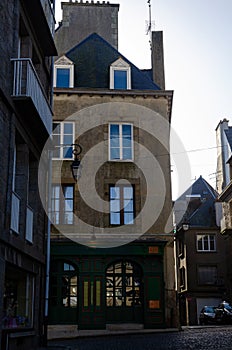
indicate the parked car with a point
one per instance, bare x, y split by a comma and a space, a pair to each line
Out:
207, 315
224, 313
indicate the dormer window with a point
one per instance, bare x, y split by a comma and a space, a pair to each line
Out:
120, 75
64, 73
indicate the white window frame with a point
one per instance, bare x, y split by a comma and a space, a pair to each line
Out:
120, 65
61, 146
204, 250
71, 74
120, 143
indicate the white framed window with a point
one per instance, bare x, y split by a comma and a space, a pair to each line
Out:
63, 138
120, 75
62, 204
121, 142
122, 205
63, 73
206, 243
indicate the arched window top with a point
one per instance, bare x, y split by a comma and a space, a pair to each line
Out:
128, 267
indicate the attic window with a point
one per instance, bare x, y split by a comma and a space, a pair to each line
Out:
120, 75
64, 73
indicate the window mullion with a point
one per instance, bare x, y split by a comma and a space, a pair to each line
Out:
120, 142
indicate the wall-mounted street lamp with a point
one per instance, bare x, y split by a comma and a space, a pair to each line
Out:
76, 164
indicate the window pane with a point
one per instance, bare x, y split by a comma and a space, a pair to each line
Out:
199, 243
120, 79
68, 191
68, 205
62, 77
128, 205
67, 152
206, 243
68, 128
68, 140
115, 218
128, 218
126, 141
126, 130
56, 128
114, 153
115, 206
114, 130
212, 242
114, 192
127, 153
114, 142
128, 192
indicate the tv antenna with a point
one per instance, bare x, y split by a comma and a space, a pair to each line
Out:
149, 24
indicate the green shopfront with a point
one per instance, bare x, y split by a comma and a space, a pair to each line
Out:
93, 288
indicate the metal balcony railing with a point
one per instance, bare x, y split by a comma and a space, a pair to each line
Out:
29, 224
27, 84
15, 206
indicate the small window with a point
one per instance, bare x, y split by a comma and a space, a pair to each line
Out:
121, 205
62, 77
120, 75
63, 73
63, 138
206, 243
120, 142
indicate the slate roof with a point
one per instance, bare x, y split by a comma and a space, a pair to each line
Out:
92, 59
200, 209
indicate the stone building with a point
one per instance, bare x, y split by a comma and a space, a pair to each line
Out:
224, 186
26, 45
112, 257
200, 252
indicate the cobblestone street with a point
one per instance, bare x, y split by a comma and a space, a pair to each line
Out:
215, 338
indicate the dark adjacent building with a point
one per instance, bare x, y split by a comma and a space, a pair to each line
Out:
200, 252
112, 262
26, 46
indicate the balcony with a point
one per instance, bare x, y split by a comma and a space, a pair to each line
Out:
27, 87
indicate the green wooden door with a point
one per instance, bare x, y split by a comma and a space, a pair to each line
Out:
124, 293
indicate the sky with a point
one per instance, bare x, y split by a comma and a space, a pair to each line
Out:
198, 68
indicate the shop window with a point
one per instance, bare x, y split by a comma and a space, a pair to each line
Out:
18, 300
121, 205
63, 138
64, 285
123, 284
121, 142
62, 204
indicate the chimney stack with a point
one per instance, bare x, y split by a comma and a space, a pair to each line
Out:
157, 59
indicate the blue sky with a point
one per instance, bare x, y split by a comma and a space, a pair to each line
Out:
198, 68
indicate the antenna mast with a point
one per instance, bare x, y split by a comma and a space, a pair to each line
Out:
149, 23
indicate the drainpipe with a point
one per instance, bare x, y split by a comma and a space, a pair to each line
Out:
48, 247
